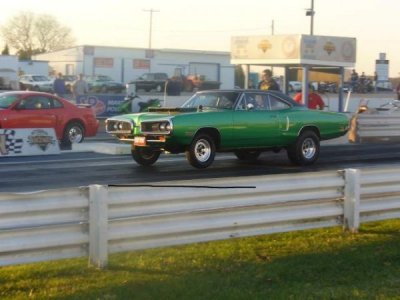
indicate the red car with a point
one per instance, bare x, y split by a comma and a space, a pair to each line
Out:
27, 109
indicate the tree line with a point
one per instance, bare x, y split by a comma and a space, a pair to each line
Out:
29, 34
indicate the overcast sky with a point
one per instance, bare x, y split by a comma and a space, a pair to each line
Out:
210, 24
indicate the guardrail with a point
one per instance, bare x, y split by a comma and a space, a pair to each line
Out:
98, 220
377, 127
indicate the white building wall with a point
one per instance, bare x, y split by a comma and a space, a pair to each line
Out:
126, 64
34, 67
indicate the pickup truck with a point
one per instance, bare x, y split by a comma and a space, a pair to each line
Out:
151, 81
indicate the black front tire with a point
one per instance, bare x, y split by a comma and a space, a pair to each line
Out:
145, 156
247, 155
201, 152
305, 150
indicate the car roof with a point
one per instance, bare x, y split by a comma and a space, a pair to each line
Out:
278, 94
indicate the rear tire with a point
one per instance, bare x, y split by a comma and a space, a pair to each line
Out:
73, 133
145, 156
305, 150
201, 152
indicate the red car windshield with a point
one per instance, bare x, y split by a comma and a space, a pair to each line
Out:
7, 100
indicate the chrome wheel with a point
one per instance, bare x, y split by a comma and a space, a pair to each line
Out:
305, 150
202, 150
308, 148
75, 134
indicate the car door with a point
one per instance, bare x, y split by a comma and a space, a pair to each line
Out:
33, 111
255, 123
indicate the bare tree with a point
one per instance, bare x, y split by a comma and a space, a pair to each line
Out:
30, 34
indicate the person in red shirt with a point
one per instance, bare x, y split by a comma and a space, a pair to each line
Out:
314, 100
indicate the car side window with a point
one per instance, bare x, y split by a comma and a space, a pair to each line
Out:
261, 102
242, 105
253, 101
35, 103
224, 102
57, 104
276, 103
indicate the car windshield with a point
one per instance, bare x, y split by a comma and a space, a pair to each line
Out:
7, 100
218, 100
40, 78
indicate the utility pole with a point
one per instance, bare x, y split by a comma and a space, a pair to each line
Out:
310, 13
272, 27
151, 23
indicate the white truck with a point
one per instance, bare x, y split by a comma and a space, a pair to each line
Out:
8, 72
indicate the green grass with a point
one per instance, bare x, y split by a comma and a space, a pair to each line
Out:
313, 264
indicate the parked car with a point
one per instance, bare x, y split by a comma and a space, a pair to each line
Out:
151, 81
8, 79
104, 84
69, 80
295, 86
245, 122
25, 109
35, 83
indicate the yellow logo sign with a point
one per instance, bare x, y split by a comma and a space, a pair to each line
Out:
329, 47
264, 45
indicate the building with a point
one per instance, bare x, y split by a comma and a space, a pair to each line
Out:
8, 72
126, 64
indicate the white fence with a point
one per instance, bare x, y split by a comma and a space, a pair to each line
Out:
97, 220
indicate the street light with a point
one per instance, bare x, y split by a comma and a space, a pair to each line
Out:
310, 13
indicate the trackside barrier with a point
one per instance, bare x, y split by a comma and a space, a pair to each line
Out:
28, 141
98, 220
377, 127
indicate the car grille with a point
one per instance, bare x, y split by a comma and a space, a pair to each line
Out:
117, 126
158, 127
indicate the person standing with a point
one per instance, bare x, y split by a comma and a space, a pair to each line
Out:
314, 100
375, 81
363, 80
267, 82
354, 81
398, 91
79, 87
59, 86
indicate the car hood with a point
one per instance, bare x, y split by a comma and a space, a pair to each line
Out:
155, 113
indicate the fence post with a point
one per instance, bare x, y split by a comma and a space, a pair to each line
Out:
98, 222
351, 220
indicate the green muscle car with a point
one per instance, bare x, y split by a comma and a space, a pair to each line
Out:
245, 122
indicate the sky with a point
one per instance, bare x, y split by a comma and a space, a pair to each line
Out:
210, 24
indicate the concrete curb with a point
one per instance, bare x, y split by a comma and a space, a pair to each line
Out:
105, 148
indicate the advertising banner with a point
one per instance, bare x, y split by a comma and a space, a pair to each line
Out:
28, 141
294, 50
104, 105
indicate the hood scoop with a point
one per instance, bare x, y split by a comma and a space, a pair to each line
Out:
172, 109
